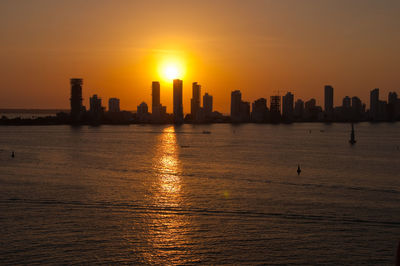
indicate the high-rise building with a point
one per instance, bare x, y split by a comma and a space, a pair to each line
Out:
328, 99
208, 104
275, 104
346, 102
393, 106
142, 108
259, 112
195, 101
374, 104
392, 97
96, 110
310, 104
113, 105
299, 109
95, 104
287, 106
76, 99
244, 111
155, 96
236, 99
357, 108
275, 108
177, 101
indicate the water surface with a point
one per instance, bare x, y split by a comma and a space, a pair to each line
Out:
172, 195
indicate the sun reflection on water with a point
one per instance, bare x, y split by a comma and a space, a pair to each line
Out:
167, 168
168, 228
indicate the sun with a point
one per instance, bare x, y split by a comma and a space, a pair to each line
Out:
171, 68
171, 72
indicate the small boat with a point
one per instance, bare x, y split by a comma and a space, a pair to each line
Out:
12, 154
298, 170
206, 132
352, 140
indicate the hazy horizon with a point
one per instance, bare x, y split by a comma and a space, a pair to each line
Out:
258, 47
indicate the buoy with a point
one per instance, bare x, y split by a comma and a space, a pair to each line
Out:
298, 170
12, 154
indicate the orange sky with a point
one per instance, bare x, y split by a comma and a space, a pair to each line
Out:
258, 47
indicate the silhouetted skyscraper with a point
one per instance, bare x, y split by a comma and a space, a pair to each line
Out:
259, 112
275, 105
357, 108
393, 106
374, 104
113, 105
299, 109
346, 102
96, 110
287, 106
142, 108
236, 99
177, 101
155, 96
195, 101
275, 108
328, 99
95, 104
208, 104
76, 99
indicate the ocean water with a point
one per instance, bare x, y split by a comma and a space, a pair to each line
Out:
145, 194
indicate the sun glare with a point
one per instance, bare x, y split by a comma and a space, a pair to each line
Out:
171, 69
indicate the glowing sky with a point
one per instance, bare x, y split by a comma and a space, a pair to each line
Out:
258, 47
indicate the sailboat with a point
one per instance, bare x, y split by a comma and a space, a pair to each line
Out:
352, 140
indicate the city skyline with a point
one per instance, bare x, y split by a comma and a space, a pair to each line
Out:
281, 108
276, 45
327, 104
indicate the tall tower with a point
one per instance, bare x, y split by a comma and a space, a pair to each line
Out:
287, 105
328, 99
275, 104
236, 99
76, 99
177, 101
374, 104
155, 95
195, 101
207, 104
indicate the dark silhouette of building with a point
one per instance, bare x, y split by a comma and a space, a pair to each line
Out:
393, 106
236, 99
287, 106
195, 101
113, 105
142, 108
346, 102
177, 101
357, 109
328, 99
259, 112
275, 108
299, 109
208, 104
311, 110
244, 112
240, 111
76, 99
155, 97
96, 109
142, 113
374, 104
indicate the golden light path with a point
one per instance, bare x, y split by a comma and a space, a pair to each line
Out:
167, 229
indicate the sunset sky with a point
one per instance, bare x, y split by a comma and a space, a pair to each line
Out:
119, 47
